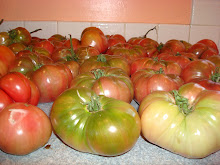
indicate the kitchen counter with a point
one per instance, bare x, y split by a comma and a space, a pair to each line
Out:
143, 153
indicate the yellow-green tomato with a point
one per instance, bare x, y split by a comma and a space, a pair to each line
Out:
185, 122
95, 124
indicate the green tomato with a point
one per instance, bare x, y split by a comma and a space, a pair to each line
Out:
185, 122
95, 124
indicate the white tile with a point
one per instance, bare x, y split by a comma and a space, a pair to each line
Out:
168, 31
110, 28
73, 28
140, 29
8, 25
206, 12
201, 32
49, 28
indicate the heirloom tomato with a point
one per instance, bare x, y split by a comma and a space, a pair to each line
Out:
4, 100
95, 124
169, 67
115, 39
185, 122
215, 59
148, 80
24, 128
199, 69
210, 44
103, 60
17, 47
46, 44
173, 46
51, 81
108, 81
5, 39
6, 55
20, 35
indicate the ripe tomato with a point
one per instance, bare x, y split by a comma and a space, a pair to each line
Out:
20, 35
215, 59
104, 60
94, 38
169, 67
185, 122
17, 47
75, 42
95, 124
210, 44
3, 68
5, 39
173, 47
24, 128
6, 55
199, 69
51, 81
108, 81
146, 81
4, 100
115, 39
46, 44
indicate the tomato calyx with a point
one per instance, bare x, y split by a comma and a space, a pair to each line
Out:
216, 76
13, 33
160, 71
182, 103
101, 58
94, 105
98, 73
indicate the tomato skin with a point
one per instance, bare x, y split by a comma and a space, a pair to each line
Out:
192, 135
117, 120
3, 68
173, 46
114, 83
46, 44
17, 47
24, 128
115, 39
215, 59
146, 81
6, 55
17, 86
5, 39
4, 100
210, 44
75, 42
51, 81
199, 69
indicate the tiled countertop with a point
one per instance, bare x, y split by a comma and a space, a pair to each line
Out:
143, 153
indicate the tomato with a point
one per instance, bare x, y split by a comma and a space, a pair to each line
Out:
215, 59
198, 69
186, 44
5, 39
4, 100
104, 60
46, 44
108, 81
92, 28
178, 58
41, 51
85, 52
20, 35
3, 68
75, 42
62, 53
95, 124
148, 80
185, 122
128, 51
210, 44
173, 46
57, 37
169, 67
17, 47
115, 39
94, 38
17, 86
51, 81
24, 128
6, 55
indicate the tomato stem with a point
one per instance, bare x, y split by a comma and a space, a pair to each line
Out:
94, 104
154, 28
35, 31
216, 76
74, 57
160, 71
181, 102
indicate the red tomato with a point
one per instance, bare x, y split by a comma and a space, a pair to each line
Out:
46, 44
17, 47
115, 39
95, 39
75, 42
24, 128
6, 55
210, 44
169, 67
4, 100
3, 68
215, 59
51, 81
62, 53
173, 46
148, 80
17, 86
199, 69
35, 94
5, 39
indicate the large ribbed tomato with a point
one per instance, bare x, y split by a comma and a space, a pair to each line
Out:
185, 122
95, 124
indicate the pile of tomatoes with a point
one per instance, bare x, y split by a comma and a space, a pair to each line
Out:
91, 82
